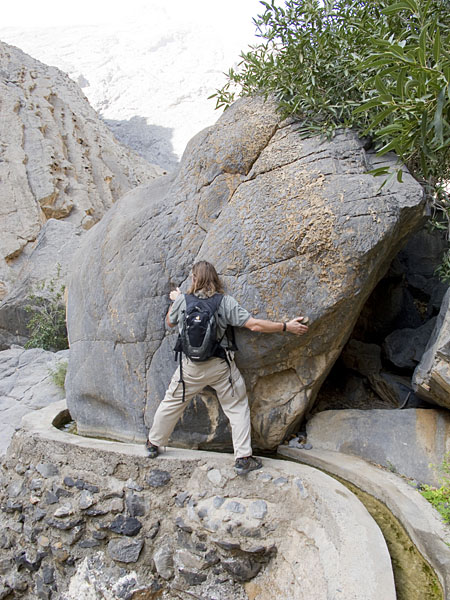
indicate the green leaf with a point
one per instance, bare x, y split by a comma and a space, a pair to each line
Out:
379, 84
437, 121
367, 105
379, 118
422, 50
401, 83
379, 171
437, 45
395, 8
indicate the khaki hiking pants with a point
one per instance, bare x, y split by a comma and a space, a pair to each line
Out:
214, 372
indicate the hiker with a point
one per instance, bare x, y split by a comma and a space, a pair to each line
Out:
215, 367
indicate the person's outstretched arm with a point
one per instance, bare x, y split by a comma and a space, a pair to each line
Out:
263, 326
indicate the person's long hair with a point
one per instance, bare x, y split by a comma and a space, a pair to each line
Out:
205, 278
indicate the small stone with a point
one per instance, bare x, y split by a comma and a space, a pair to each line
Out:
22, 560
63, 511
86, 500
124, 550
14, 489
184, 559
202, 513
129, 526
116, 505
75, 535
228, 546
158, 478
293, 443
13, 506
16, 582
181, 499
34, 499
280, 481
64, 525
43, 541
96, 512
38, 514
215, 476
47, 470
235, 507
20, 468
36, 484
135, 505
258, 509
153, 531
218, 501
264, 476
182, 525
5, 565
301, 488
307, 446
210, 525
241, 569
79, 484
89, 543
41, 590
192, 577
99, 535
132, 485
62, 493
163, 559
252, 532
48, 574
59, 552
69, 481
94, 489
50, 498
212, 558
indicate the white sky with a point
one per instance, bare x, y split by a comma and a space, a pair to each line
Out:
53, 13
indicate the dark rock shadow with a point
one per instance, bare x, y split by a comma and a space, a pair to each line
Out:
152, 142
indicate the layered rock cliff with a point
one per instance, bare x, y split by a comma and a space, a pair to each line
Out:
57, 158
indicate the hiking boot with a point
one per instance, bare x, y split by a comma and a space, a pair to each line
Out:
152, 450
244, 465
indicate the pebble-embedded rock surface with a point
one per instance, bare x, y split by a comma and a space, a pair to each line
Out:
92, 515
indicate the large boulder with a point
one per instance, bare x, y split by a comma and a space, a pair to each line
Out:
431, 378
412, 442
293, 226
57, 158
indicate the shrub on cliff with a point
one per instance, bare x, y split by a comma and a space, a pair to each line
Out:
47, 324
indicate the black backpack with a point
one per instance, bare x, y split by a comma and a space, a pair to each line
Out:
198, 335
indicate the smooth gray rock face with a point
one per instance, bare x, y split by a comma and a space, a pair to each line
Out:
293, 227
404, 441
58, 158
48, 262
25, 385
431, 378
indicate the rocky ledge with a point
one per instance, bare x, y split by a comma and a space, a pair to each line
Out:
84, 518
